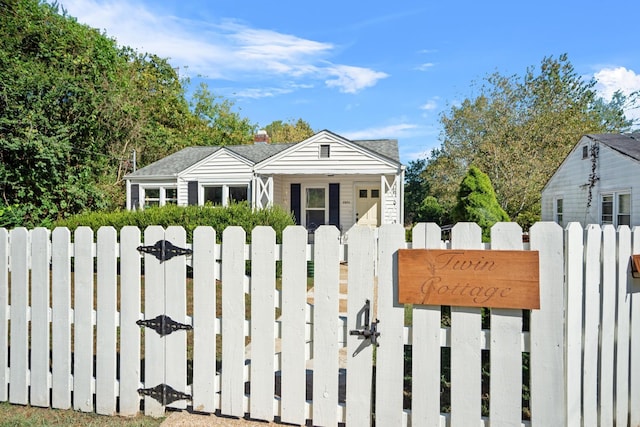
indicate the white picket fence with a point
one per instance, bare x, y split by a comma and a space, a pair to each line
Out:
69, 307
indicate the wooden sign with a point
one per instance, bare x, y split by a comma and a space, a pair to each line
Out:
469, 278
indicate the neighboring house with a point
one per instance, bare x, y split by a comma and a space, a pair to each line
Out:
325, 179
597, 183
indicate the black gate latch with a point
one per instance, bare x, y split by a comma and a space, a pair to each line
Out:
163, 325
164, 394
370, 331
164, 250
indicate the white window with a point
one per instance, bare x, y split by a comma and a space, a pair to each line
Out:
315, 207
325, 151
559, 216
615, 208
213, 195
160, 196
222, 195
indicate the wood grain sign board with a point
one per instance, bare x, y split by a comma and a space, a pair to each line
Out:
469, 278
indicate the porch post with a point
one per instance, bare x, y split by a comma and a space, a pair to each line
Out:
262, 191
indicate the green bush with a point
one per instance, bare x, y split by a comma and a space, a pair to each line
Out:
189, 217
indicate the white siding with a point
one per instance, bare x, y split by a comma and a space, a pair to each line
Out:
615, 172
343, 158
347, 196
221, 168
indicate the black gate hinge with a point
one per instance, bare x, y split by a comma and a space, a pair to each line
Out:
164, 394
370, 330
163, 325
164, 250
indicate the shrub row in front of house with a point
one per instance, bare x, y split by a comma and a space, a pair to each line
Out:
189, 217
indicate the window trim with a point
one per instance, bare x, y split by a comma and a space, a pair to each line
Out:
303, 204
225, 191
162, 194
558, 216
322, 154
615, 208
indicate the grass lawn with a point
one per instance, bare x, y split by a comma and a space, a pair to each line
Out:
18, 415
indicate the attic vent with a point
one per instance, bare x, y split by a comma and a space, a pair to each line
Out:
585, 152
324, 151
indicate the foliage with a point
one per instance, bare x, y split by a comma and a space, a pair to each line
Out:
518, 131
215, 123
279, 131
189, 217
415, 189
74, 105
477, 202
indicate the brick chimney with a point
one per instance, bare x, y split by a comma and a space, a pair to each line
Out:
261, 137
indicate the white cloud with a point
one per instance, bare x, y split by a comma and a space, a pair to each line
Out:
350, 79
222, 49
430, 105
610, 80
391, 131
425, 66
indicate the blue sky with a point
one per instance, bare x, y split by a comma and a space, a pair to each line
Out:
376, 69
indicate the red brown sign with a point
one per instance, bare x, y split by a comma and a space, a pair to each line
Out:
469, 278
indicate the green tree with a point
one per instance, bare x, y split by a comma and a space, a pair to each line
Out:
416, 188
518, 130
280, 131
73, 106
215, 123
477, 202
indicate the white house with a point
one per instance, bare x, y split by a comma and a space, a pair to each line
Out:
325, 179
597, 183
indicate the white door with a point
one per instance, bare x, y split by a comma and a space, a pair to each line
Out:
368, 205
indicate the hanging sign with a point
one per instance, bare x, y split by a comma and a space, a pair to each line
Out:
469, 278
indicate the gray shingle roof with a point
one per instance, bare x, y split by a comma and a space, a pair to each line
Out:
624, 143
255, 153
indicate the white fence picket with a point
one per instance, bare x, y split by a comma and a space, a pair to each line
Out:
506, 342
607, 340
233, 306
294, 316
19, 372
326, 325
205, 268
129, 313
634, 350
390, 354
359, 350
425, 410
466, 324
107, 300
61, 319
154, 357
622, 330
176, 308
263, 282
83, 319
40, 259
548, 390
4, 315
592, 277
599, 298
574, 267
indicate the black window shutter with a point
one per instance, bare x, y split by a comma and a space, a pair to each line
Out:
295, 203
135, 196
334, 204
192, 192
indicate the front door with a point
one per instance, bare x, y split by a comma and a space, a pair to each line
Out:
368, 205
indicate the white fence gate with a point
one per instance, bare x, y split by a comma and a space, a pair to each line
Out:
72, 304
